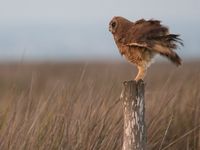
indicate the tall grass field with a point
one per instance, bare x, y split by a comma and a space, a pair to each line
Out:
76, 106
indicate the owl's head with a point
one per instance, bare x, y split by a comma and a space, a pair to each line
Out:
113, 25
119, 24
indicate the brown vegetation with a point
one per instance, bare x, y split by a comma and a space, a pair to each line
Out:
76, 106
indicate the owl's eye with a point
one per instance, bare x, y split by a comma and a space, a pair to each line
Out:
113, 24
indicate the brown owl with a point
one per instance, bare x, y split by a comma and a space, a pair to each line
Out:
140, 41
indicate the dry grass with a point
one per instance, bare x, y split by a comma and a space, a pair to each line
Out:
76, 106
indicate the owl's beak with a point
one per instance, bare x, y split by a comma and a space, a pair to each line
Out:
110, 29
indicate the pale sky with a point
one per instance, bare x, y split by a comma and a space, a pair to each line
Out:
75, 29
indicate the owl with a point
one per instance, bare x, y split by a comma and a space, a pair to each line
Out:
140, 41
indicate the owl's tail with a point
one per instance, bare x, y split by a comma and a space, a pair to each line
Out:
166, 45
173, 57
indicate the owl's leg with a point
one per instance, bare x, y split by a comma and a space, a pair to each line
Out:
141, 73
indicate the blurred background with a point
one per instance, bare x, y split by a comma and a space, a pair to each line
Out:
71, 30
61, 76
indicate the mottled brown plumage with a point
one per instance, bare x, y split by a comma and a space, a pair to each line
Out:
140, 41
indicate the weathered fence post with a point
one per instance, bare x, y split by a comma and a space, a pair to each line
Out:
134, 113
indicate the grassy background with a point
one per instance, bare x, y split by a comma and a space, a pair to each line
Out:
76, 106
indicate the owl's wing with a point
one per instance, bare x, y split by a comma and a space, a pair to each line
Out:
153, 36
144, 33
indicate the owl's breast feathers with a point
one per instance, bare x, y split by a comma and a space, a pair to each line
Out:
123, 48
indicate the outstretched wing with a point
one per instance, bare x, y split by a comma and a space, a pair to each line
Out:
154, 36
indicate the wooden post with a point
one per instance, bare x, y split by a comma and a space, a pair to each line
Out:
134, 113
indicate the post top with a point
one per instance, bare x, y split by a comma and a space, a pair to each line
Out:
133, 82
